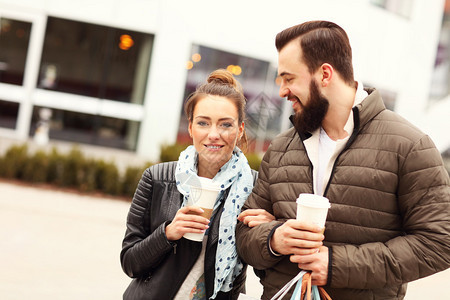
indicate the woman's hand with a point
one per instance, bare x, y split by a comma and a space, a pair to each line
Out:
186, 220
255, 217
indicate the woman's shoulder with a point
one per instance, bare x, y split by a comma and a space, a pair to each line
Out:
162, 171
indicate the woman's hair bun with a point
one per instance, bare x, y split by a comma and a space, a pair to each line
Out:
224, 77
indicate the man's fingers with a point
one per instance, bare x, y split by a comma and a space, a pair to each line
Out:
303, 226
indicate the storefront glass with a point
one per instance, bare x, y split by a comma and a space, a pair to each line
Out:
8, 114
88, 129
14, 41
95, 60
258, 81
441, 75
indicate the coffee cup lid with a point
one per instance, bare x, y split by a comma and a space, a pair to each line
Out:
207, 184
313, 200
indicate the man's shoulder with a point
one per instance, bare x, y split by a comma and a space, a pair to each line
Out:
290, 133
284, 139
391, 123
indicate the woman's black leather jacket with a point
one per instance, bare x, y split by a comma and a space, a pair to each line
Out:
157, 265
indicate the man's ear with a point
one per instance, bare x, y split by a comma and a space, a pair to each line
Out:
326, 74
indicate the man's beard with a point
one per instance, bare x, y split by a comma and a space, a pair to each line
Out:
312, 114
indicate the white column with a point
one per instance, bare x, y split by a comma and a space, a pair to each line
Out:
166, 83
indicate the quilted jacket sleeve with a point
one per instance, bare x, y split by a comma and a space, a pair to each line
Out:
252, 242
423, 196
142, 250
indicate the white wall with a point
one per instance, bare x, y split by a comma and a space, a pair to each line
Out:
390, 51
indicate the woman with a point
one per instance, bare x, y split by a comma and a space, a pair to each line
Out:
165, 265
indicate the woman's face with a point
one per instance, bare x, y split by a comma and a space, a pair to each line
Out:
215, 130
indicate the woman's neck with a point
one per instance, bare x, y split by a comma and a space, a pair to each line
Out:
209, 169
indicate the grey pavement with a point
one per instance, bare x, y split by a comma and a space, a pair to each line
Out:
61, 245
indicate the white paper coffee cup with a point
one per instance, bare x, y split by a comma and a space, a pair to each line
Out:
203, 195
312, 208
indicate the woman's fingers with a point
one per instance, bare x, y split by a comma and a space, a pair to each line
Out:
187, 220
255, 217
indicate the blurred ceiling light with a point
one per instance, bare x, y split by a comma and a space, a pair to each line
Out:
20, 33
189, 64
236, 70
196, 57
126, 42
5, 26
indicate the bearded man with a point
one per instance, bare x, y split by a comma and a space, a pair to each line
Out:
389, 221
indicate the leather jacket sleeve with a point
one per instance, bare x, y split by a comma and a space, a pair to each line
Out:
142, 250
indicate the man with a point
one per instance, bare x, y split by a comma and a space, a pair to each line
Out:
389, 221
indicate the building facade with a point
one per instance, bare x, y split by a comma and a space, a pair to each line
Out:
116, 73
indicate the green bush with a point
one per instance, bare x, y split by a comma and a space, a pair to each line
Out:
253, 160
14, 161
131, 179
36, 168
73, 167
87, 180
107, 177
55, 167
171, 152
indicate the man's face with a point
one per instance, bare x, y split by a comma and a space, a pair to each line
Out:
299, 86
310, 117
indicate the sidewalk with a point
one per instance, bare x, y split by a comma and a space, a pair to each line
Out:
58, 245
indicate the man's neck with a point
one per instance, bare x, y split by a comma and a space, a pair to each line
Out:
341, 104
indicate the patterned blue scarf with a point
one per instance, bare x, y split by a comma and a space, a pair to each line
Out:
236, 175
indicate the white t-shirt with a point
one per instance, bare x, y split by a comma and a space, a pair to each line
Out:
323, 151
193, 287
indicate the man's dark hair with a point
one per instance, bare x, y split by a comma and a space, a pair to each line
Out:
321, 42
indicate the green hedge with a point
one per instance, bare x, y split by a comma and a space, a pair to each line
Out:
74, 170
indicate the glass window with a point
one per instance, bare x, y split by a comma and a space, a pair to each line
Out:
263, 103
441, 75
89, 129
14, 41
94, 60
400, 7
8, 114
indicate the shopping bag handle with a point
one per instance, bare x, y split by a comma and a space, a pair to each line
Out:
283, 291
303, 288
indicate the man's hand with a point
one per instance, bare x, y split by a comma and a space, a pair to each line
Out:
296, 237
255, 217
317, 263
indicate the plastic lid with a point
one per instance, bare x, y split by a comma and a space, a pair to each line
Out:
206, 183
312, 200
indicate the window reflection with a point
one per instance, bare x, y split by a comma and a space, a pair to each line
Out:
89, 129
258, 81
14, 41
441, 74
400, 7
94, 60
8, 114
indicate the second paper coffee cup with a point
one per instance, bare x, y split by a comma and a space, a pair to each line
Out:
312, 208
203, 195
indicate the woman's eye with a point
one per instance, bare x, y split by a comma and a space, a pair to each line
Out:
202, 123
227, 125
